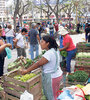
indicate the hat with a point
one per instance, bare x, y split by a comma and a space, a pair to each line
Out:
63, 31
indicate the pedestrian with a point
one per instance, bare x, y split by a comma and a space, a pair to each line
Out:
69, 47
56, 28
87, 35
26, 35
51, 71
51, 29
78, 28
2, 53
9, 35
34, 39
19, 43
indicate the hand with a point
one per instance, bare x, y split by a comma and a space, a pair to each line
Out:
8, 45
23, 71
60, 49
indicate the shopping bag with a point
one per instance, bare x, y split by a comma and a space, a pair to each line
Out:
8, 51
26, 96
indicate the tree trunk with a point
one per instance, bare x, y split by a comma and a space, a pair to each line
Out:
14, 21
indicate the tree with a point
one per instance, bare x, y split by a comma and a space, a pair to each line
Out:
21, 7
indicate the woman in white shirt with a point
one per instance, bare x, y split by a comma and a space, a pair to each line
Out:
51, 71
9, 35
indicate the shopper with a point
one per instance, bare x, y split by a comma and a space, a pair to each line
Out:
9, 35
2, 52
19, 43
69, 47
87, 35
51, 29
51, 71
34, 39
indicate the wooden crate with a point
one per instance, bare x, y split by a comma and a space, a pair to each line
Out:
2, 95
81, 47
84, 64
10, 97
10, 82
68, 83
21, 60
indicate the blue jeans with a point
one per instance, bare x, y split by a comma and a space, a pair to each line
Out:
32, 48
70, 55
52, 33
10, 40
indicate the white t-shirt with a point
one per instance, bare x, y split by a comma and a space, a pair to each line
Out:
49, 67
20, 41
9, 32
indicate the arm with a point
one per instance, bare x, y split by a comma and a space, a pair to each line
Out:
65, 47
38, 38
4, 46
15, 42
41, 62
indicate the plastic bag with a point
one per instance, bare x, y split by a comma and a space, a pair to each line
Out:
26, 96
65, 95
8, 51
76, 92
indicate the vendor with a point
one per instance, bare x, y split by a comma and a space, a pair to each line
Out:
2, 52
51, 71
69, 47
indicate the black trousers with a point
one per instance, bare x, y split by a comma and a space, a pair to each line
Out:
1, 66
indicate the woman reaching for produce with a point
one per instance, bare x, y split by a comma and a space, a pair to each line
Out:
51, 71
69, 47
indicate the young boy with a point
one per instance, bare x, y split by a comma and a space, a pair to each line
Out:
19, 43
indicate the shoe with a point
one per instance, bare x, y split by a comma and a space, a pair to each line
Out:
67, 74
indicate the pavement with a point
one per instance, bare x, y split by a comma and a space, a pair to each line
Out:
76, 38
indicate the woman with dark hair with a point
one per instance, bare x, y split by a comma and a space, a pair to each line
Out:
51, 71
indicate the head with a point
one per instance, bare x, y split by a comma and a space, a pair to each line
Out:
33, 25
17, 29
63, 32
9, 27
47, 42
24, 31
0, 32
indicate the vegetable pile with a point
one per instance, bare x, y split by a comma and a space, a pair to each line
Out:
83, 55
24, 78
78, 76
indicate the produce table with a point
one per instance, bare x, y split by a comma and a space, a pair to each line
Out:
16, 87
83, 47
83, 62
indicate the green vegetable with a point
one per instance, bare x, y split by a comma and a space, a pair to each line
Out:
63, 53
24, 78
78, 76
71, 78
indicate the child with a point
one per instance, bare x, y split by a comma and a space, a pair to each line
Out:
19, 43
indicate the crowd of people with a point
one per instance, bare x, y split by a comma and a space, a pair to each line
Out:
43, 34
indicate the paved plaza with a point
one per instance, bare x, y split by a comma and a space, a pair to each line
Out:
76, 38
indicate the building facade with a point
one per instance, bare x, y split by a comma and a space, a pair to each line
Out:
3, 12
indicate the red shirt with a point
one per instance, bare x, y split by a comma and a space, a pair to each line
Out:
27, 27
56, 27
68, 39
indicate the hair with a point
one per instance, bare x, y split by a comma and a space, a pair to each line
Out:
0, 27
51, 40
24, 30
33, 25
9, 26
